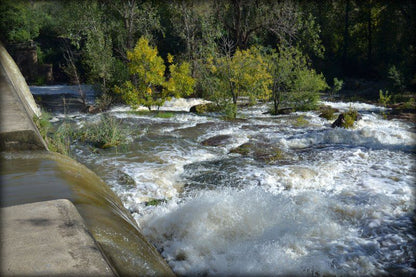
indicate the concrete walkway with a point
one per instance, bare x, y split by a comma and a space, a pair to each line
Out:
58, 243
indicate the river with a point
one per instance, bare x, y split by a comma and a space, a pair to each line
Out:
300, 198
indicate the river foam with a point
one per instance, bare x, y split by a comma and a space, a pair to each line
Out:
341, 202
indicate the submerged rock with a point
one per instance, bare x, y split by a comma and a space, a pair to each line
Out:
285, 111
244, 149
327, 112
92, 109
217, 140
268, 153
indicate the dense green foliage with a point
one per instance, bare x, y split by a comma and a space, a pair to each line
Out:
293, 81
243, 74
224, 50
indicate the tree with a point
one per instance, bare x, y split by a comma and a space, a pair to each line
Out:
244, 74
180, 83
151, 88
305, 90
149, 68
90, 36
293, 81
194, 23
130, 20
98, 57
244, 21
20, 21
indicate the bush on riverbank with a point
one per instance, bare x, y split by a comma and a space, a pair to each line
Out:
58, 141
104, 134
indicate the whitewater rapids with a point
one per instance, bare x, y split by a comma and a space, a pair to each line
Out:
341, 202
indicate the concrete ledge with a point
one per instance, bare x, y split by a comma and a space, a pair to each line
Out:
48, 238
18, 82
21, 139
17, 130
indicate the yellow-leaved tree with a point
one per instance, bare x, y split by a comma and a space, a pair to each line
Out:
180, 83
150, 87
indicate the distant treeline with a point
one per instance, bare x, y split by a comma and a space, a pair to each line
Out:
88, 41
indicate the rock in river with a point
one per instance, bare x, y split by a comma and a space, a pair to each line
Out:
219, 140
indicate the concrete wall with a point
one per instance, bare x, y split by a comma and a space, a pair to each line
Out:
18, 82
17, 109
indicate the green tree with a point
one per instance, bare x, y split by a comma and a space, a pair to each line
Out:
306, 87
20, 21
244, 74
245, 21
129, 21
294, 83
194, 23
98, 57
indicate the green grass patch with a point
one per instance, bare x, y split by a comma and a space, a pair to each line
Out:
143, 112
276, 156
43, 123
59, 140
164, 115
104, 134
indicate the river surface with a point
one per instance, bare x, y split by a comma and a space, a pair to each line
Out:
332, 202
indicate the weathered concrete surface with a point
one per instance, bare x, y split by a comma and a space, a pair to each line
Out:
18, 82
17, 130
48, 238
34, 176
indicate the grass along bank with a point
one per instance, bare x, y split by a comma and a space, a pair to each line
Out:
105, 133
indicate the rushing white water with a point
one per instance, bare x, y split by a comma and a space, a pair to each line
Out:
339, 202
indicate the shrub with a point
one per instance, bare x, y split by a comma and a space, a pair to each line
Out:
104, 134
384, 98
349, 118
396, 78
43, 124
336, 87
60, 141
230, 111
